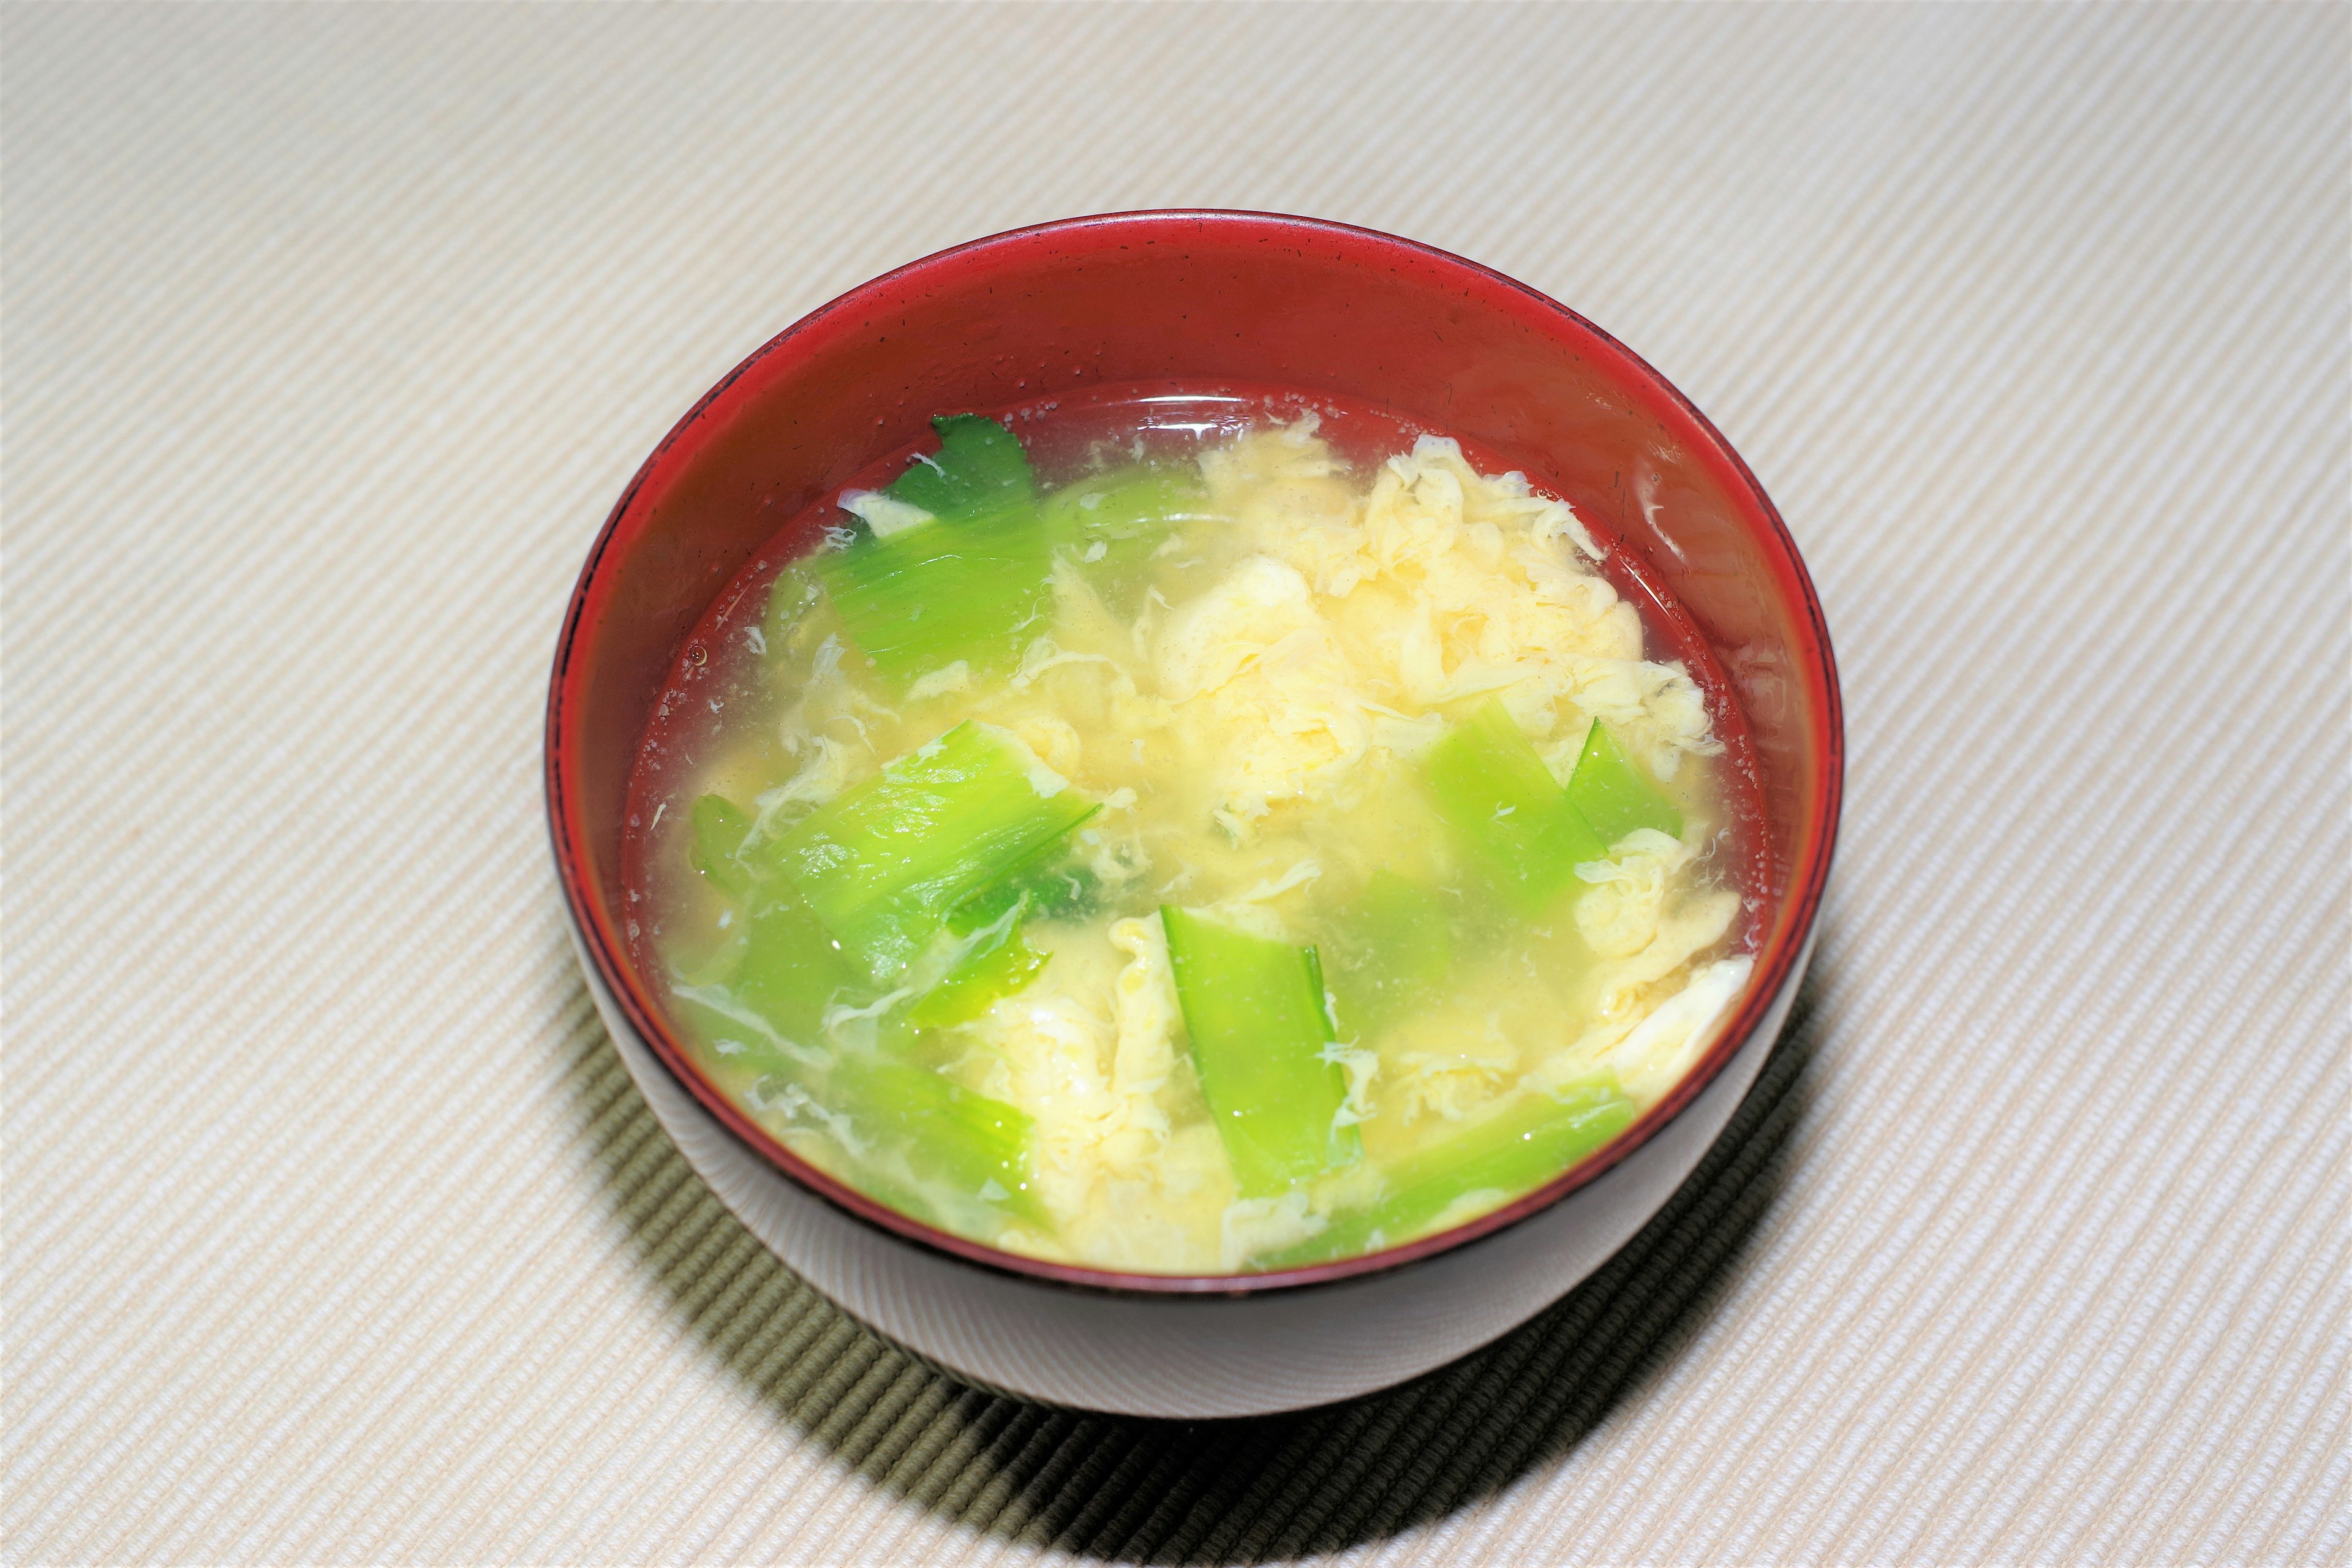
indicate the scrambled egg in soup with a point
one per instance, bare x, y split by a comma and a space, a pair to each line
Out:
1199, 866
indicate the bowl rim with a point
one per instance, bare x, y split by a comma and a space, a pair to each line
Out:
604, 947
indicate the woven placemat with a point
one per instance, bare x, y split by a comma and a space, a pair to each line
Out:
1171, 1491
333, 1230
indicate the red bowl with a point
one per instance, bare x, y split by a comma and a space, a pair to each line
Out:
1252, 298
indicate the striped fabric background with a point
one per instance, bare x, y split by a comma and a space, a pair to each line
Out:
334, 1231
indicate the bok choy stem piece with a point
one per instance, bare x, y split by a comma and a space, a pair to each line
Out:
768, 987
1615, 792
793, 967
979, 468
884, 864
998, 963
968, 1143
1110, 524
964, 585
1516, 822
1260, 1030
720, 827
1510, 1153
939, 592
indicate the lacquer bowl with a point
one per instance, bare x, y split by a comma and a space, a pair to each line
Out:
1193, 298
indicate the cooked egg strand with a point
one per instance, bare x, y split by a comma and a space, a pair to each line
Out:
1253, 733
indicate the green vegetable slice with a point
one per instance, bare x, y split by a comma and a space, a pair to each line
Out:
966, 585
884, 864
1511, 814
793, 967
1396, 950
998, 963
1056, 886
939, 592
1616, 794
979, 468
965, 1141
769, 983
719, 828
1513, 1152
798, 589
1255, 1010
1111, 524
1050, 882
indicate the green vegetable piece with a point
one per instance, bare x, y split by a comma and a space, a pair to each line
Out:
980, 1147
939, 592
769, 984
1004, 896
1395, 951
1111, 524
979, 468
1513, 816
999, 965
999, 962
794, 968
1123, 506
965, 586
1512, 1152
1049, 881
720, 827
1052, 885
695, 958
1615, 792
797, 592
884, 864
1255, 1009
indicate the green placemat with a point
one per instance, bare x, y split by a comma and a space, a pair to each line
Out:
1188, 1491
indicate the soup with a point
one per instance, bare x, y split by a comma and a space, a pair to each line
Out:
1191, 844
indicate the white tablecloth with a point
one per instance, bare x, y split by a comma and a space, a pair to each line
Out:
333, 1231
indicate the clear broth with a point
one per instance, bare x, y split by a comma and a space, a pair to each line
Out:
1442, 1054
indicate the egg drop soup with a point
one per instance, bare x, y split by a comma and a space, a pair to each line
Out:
1192, 835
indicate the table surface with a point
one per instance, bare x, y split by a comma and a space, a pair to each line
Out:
334, 1231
